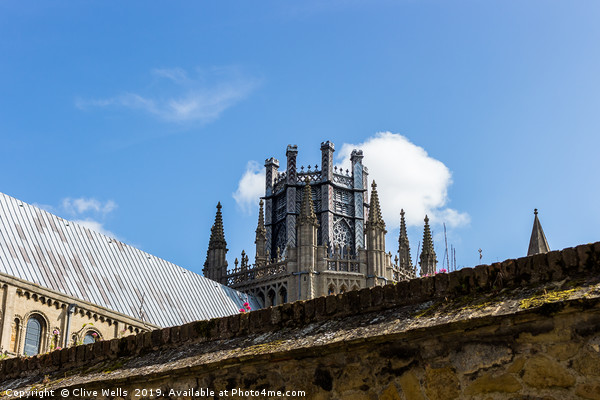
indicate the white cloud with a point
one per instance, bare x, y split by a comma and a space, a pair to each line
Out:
82, 205
178, 98
407, 177
250, 187
95, 226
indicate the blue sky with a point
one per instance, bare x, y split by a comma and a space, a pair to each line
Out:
138, 117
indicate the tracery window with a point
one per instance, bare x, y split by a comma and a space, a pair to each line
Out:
343, 235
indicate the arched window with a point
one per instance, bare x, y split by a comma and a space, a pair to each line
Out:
331, 289
33, 336
90, 337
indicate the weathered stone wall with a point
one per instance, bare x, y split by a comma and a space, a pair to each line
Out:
521, 329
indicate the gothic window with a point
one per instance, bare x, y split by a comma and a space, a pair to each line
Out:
343, 289
331, 289
343, 204
343, 235
33, 336
280, 240
279, 208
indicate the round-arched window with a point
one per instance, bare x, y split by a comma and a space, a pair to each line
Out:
90, 337
33, 336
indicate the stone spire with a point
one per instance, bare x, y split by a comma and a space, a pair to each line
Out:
538, 243
428, 261
404, 246
215, 266
375, 218
377, 264
261, 236
307, 209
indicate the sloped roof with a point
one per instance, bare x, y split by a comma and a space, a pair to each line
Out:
61, 255
537, 243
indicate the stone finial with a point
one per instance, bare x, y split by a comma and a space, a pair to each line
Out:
538, 243
260, 229
428, 259
404, 245
375, 217
217, 234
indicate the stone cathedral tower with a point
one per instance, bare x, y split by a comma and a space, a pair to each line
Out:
317, 234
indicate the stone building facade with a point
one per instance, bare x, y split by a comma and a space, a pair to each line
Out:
63, 284
317, 234
42, 320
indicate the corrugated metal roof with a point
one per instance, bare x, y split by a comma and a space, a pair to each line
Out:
58, 254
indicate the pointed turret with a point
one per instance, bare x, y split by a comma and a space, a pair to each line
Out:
307, 208
538, 243
404, 246
375, 231
428, 260
375, 218
215, 266
261, 236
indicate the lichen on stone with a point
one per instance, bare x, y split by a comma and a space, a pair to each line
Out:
546, 297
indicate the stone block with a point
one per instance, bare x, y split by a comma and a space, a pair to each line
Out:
389, 294
320, 312
330, 305
298, 312
365, 299
504, 383
585, 254
555, 270
541, 372
64, 356
233, 323
481, 276
587, 364
175, 334
441, 284
524, 271
243, 318
427, 287
571, 265
403, 291
223, 328
276, 316
590, 391
476, 356
441, 384
377, 297
353, 298
156, 338
508, 269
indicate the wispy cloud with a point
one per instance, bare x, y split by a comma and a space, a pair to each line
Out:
82, 205
250, 187
407, 177
89, 212
95, 226
175, 96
